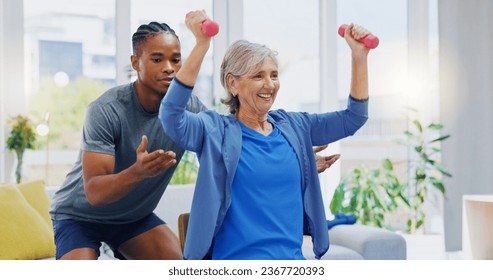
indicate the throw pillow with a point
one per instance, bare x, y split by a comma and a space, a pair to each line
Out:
24, 234
35, 194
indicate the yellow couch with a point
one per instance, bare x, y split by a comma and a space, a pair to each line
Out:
26, 231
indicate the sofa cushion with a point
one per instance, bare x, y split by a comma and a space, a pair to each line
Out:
335, 252
24, 233
35, 194
370, 242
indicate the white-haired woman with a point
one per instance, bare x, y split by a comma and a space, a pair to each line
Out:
257, 190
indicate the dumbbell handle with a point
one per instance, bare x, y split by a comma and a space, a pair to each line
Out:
370, 41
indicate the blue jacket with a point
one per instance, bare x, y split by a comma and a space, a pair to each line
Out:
217, 140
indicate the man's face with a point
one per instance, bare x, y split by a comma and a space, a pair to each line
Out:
157, 61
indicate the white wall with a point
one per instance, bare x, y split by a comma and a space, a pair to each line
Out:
466, 105
2, 99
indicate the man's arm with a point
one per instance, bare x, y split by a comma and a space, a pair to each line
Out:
102, 186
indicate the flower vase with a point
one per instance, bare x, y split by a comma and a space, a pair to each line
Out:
18, 166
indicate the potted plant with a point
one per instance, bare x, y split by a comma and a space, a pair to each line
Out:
22, 137
425, 170
368, 194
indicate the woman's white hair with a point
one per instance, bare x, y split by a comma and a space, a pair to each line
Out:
242, 58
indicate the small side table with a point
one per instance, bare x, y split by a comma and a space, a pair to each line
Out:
477, 227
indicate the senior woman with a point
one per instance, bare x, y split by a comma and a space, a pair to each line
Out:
257, 191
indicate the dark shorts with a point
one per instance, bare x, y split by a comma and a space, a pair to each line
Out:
73, 234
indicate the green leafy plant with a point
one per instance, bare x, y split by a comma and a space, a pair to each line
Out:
186, 171
22, 136
368, 194
424, 166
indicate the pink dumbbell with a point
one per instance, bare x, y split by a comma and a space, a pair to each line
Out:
370, 41
209, 27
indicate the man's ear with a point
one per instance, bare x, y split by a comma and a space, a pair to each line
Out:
135, 62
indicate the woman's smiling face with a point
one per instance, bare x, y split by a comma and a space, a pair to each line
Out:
257, 90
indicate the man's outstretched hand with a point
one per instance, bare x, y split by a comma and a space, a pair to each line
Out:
152, 164
324, 162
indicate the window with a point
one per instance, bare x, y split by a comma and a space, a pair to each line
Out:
392, 87
388, 68
284, 31
69, 55
403, 72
